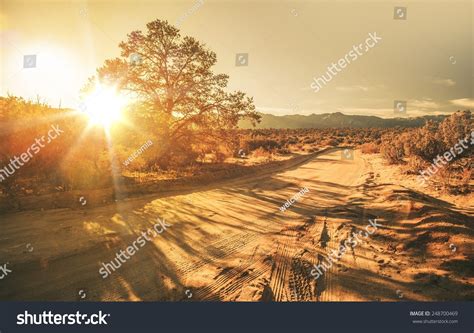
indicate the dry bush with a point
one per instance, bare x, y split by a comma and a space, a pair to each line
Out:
465, 181
293, 141
424, 143
392, 149
370, 148
87, 174
262, 153
434, 139
283, 151
266, 144
309, 140
220, 156
457, 177
330, 142
445, 177
455, 127
181, 157
415, 164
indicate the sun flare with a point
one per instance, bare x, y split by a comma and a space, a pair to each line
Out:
104, 106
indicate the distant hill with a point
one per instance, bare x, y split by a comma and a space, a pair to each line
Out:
336, 120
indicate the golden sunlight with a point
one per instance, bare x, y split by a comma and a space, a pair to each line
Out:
104, 106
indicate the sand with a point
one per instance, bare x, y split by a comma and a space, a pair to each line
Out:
229, 241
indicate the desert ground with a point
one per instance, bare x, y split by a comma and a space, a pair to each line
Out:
229, 241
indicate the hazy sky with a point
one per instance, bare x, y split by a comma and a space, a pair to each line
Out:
426, 59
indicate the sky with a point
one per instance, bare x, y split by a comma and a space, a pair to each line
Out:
424, 57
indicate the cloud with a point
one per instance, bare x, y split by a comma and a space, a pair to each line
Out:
444, 82
293, 109
352, 88
412, 111
359, 87
464, 102
380, 112
426, 103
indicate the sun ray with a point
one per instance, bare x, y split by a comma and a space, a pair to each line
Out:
103, 106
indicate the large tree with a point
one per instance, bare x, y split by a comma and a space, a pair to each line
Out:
171, 79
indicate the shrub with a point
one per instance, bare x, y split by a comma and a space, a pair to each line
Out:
309, 140
466, 177
265, 144
330, 142
415, 165
392, 149
283, 151
260, 152
87, 174
370, 148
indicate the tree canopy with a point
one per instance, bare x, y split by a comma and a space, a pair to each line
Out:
175, 91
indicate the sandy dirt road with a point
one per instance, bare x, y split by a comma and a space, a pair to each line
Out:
233, 243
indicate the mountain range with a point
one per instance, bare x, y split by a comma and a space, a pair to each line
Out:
336, 120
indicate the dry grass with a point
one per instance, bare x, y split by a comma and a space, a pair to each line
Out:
370, 148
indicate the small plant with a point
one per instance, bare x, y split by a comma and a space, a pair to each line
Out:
392, 149
370, 148
415, 165
262, 153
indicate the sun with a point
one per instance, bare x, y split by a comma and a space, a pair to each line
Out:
104, 106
